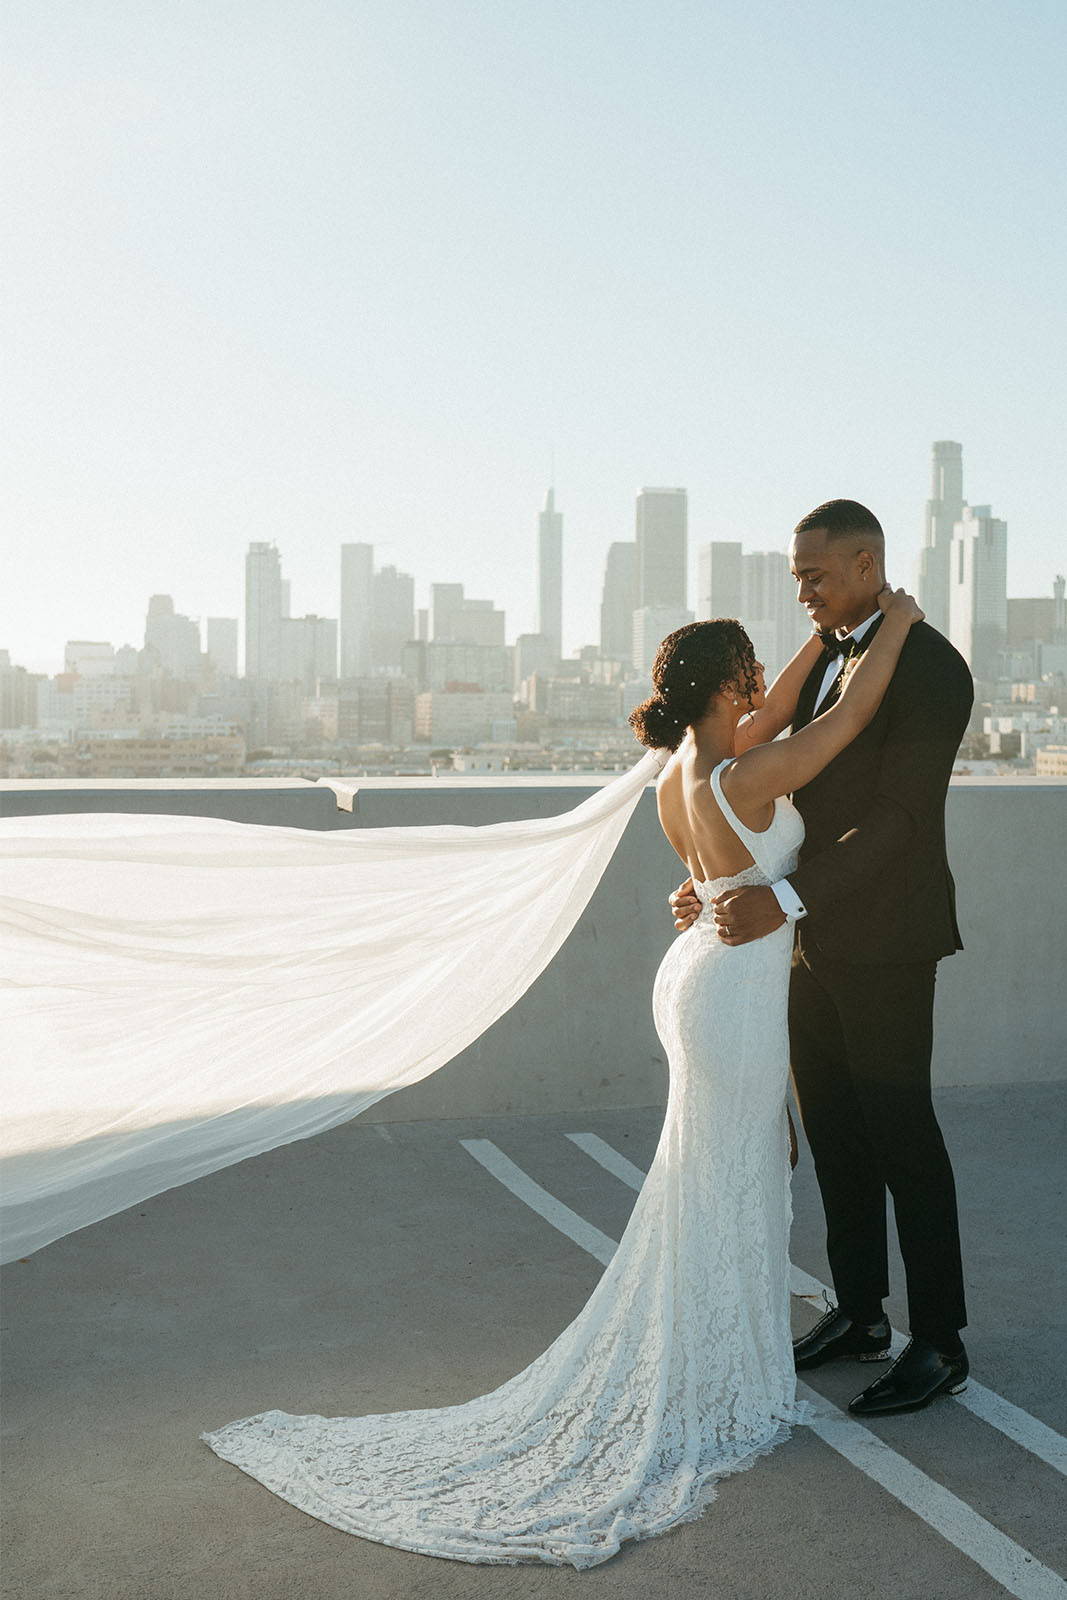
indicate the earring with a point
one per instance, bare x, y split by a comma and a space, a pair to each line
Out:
735, 702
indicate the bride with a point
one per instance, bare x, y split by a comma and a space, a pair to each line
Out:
678, 1370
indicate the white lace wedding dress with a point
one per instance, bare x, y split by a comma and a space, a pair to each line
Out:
679, 1367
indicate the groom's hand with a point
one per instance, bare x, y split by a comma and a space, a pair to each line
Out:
685, 905
742, 915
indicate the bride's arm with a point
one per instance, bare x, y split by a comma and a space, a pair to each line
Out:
780, 702
769, 770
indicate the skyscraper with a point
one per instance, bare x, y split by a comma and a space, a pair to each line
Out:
446, 600
222, 644
943, 511
392, 623
308, 650
462, 619
652, 624
264, 608
757, 587
775, 623
619, 601
174, 639
978, 591
719, 579
662, 522
550, 573
357, 572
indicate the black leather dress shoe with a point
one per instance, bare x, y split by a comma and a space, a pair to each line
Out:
836, 1335
918, 1375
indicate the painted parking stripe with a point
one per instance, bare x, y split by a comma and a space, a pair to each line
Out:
546, 1205
1012, 1566
1009, 1419
1007, 1562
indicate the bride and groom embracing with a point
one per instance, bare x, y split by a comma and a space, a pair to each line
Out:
818, 902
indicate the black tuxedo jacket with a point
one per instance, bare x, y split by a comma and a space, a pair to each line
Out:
873, 870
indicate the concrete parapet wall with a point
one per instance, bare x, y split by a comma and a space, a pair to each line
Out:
582, 1035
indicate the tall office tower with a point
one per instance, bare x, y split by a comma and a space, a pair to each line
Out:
392, 622
943, 511
534, 653
662, 547
174, 638
308, 649
18, 694
446, 599
263, 610
550, 573
463, 620
222, 644
480, 622
978, 589
1039, 618
719, 579
422, 623
618, 601
357, 574
651, 624
769, 611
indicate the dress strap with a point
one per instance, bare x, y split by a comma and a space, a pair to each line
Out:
755, 842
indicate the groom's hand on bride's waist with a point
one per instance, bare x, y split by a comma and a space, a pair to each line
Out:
685, 905
742, 915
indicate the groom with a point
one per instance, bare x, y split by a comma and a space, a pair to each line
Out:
873, 901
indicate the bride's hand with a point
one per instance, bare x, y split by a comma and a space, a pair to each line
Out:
685, 905
900, 603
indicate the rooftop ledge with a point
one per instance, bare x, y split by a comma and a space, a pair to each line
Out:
581, 1037
450, 780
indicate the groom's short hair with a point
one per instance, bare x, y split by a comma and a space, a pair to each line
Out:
842, 519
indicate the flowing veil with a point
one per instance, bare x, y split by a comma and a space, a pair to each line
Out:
178, 993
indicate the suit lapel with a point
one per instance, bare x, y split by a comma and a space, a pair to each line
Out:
806, 698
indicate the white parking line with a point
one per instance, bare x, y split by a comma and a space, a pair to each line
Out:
1012, 1566
1005, 1561
546, 1205
1011, 1420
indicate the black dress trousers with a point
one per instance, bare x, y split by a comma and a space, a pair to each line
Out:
861, 1038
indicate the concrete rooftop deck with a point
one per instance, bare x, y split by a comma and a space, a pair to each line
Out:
382, 1266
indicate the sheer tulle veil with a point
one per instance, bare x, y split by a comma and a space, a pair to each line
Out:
178, 993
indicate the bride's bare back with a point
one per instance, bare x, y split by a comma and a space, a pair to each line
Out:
690, 816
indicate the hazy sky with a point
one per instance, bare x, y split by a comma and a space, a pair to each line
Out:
320, 271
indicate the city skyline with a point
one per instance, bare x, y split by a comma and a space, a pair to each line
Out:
387, 675
359, 572
364, 290
374, 612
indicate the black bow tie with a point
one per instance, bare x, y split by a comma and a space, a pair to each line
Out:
838, 647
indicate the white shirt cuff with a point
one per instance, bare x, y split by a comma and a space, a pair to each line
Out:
789, 900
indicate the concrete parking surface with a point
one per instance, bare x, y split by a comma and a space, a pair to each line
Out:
383, 1266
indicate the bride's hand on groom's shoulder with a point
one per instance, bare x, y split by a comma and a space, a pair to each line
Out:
900, 603
685, 905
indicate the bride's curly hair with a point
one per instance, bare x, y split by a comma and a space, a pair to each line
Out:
693, 663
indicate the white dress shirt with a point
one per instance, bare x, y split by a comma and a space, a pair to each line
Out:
784, 893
